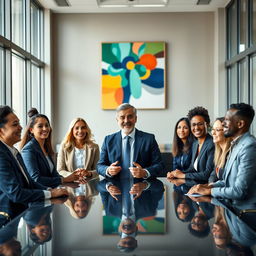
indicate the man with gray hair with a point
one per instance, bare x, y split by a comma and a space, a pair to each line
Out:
129, 152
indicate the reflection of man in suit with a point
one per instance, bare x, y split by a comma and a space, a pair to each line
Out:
239, 172
130, 201
17, 189
130, 145
146, 196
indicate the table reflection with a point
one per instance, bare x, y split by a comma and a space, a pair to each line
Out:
110, 217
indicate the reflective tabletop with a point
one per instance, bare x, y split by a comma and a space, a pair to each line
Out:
139, 217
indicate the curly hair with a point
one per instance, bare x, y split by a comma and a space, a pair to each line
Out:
244, 111
199, 111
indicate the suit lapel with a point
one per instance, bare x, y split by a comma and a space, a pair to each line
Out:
194, 151
204, 147
88, 153
232, 158
118, 145
137, 145
15, 161
71, 159
38, 148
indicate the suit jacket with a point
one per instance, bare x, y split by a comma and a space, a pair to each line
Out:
15, 191
146, 153
205, 162
65, 159
38, 166
239, 177
144, 206
182, 161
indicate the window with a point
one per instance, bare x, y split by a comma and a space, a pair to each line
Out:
21, 62
2, 17
2, 93
18, 87
18, 22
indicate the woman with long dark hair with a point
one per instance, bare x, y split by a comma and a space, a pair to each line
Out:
38, 154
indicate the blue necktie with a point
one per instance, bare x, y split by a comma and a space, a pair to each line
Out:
125, 173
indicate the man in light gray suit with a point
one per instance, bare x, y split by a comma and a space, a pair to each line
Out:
239, 176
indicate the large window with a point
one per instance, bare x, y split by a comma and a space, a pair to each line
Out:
21, 58
241, 51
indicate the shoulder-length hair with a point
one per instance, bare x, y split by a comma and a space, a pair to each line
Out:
69, 139
28, 135
177, 145
220, 154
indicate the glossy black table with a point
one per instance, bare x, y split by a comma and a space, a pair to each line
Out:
77, 229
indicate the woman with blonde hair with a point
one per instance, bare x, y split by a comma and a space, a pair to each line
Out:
78, 152
222, 146
81, 199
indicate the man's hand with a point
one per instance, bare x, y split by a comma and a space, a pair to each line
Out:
114, 169
114, 191
138, 171
176, 182
74, 176
202, 189
201, 199
176, 174
137, 189
58, 192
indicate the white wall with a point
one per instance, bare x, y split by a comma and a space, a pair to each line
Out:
190, 39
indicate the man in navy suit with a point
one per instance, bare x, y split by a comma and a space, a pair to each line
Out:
239, 177
17, 188
130, 145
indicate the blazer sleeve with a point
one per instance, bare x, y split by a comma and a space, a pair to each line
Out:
30, 159
103, 162
205, 172
61, 163
11, 187
245, 178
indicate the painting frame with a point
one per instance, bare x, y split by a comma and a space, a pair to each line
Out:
133, 72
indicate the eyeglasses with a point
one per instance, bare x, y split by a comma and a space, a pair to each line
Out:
217, 130
198, 124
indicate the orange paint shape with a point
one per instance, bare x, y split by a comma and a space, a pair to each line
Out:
136, 47
119, 95
148, 60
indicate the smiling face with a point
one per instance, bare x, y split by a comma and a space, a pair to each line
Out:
41, 129
183, 211
182, 130
81, 206
218, 132
126, 120
80, 131
230, 124
220, 235
10, 133
43, 232
198, 127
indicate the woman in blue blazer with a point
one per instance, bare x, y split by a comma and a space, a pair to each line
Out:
37, 152
182, 144
202, 150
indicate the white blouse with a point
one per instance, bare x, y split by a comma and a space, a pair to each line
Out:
79, 158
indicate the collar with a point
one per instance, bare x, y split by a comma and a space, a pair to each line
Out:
132, 134
13, 150
236, 140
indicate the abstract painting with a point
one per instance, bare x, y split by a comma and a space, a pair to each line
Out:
133, 72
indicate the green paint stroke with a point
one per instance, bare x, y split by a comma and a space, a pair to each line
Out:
154, 48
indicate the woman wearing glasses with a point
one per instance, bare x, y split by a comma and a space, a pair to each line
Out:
202, 150
222, 146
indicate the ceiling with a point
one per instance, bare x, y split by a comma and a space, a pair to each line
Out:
128, 6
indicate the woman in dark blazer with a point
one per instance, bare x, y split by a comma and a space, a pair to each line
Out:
202, 150
38, 154
182, 145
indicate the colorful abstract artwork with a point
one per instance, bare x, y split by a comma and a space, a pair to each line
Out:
133, 72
